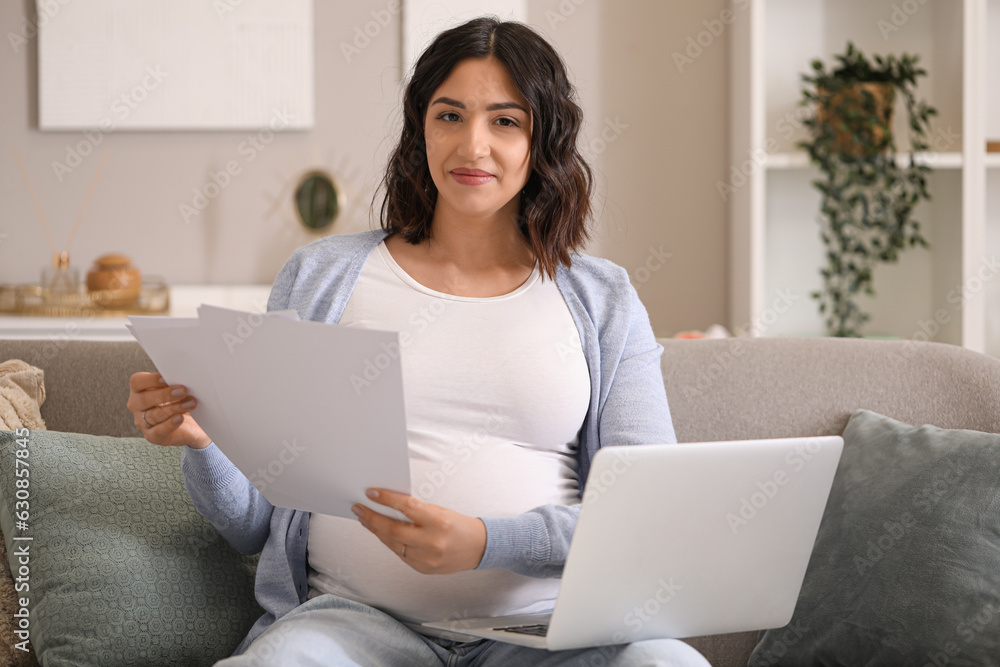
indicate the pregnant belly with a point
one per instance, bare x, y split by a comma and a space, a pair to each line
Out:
347, 560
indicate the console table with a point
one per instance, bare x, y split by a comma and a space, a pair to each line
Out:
184, 302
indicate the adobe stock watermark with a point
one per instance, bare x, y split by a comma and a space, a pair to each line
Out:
434, 480
418, 322
721, 361
714, 28
894, 530
987, 270
468, 447
597, 485
566, 9
610, 132
287, 455
776, 650
899, 17
246, 325
767, 490
363, 35
948, 476
941, 141
756, 160
122, 107
223, 8
464, 619
60, 340
655, 260
570, 345
969, 629
46, 11
600, 655
783, 300
20, 551
982, 620
266, 650
639, 616
956, 298
218, 181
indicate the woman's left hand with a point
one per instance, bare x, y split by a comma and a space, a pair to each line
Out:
439, 541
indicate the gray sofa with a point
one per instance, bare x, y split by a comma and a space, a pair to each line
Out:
718, 390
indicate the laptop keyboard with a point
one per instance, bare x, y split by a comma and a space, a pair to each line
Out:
539, 629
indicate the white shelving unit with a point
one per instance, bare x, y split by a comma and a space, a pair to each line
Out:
949, 293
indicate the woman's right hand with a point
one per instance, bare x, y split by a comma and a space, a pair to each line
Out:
161, 412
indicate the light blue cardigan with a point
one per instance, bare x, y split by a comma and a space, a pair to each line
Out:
628, 405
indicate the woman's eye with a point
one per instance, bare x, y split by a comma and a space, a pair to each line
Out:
449, 116
507, 122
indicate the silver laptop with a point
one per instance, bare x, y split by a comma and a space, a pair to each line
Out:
681, 541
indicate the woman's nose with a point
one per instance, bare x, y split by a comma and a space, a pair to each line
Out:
474, 141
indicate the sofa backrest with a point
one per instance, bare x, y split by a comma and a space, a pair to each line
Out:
784, 387
718, 389
86, 382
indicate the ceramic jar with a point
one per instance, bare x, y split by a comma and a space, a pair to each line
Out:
115, 280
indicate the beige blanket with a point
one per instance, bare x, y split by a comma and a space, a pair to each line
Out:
22, 392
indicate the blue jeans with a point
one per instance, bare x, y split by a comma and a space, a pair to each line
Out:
330, 630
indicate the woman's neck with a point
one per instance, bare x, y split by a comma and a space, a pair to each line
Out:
475, 245
467, 257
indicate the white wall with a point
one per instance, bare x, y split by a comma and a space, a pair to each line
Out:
663, 149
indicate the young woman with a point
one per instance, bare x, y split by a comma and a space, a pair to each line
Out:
522, 358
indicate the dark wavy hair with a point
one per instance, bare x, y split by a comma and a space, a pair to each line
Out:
555, 202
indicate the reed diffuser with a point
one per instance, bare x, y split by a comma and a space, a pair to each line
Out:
60, 279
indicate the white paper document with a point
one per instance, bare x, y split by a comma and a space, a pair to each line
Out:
311, 413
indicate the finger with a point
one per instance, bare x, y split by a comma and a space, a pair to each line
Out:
161, 432
142, 388
152, 398
143, 381
411, 507
376, 521
391, 532
386, 530
167, 411
149, 389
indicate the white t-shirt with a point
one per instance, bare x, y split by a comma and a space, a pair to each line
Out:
496, 390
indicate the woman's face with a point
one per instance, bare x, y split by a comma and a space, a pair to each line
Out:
478, 134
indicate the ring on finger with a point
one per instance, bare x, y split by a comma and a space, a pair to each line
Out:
148, 425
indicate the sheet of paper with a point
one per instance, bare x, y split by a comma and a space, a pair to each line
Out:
314, 411
177, 347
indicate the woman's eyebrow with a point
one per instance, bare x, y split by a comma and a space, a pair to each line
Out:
498, 106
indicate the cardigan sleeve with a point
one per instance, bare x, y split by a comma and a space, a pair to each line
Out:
226, 498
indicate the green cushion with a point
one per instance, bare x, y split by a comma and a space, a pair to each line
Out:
123, 570
906, 566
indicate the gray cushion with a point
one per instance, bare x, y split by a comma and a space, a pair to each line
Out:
905, 566
123, 570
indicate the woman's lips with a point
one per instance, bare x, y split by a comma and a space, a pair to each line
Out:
471, 176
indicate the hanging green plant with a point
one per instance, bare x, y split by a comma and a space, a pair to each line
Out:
868, 192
